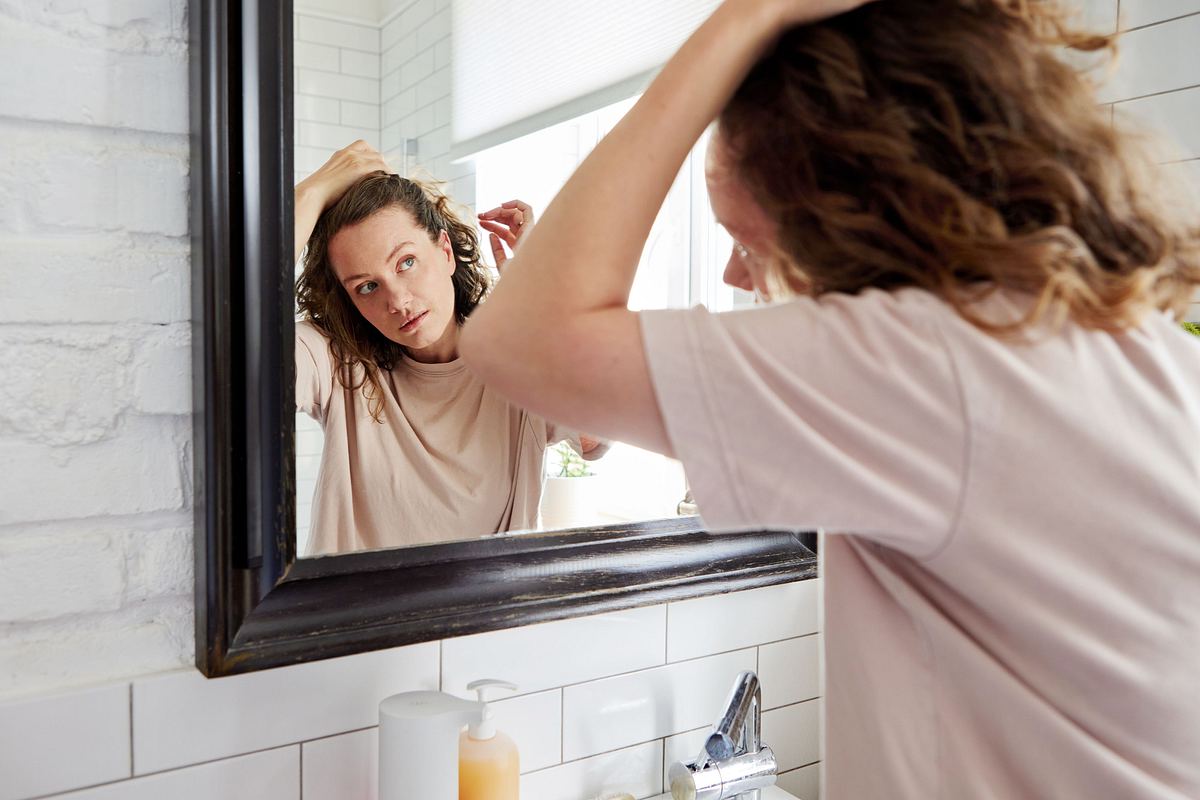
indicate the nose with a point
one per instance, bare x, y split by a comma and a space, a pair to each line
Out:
399, 299
736, 274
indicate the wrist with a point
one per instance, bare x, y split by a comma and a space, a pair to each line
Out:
768, 18
309, 197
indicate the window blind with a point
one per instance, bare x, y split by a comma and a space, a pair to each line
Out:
529, 64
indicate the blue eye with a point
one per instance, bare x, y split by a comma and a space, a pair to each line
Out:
367, 288
407, 263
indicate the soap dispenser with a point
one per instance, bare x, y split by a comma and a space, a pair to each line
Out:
488, 764
418, 745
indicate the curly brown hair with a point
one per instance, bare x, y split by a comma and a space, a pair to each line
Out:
322, 299
947, 145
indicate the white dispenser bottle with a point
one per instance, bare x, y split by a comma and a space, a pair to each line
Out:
418, 744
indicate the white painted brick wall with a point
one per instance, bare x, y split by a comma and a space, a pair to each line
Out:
95, 524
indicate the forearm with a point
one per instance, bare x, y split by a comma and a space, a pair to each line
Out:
602, 222
308, 208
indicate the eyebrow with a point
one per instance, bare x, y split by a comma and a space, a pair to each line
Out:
387, 260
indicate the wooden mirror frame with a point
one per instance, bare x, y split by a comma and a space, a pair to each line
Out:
257, 606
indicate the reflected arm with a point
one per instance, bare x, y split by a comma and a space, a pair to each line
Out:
308, 211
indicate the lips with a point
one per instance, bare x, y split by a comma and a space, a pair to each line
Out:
413, 322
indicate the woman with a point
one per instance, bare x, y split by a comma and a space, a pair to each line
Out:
417, 449
973, 370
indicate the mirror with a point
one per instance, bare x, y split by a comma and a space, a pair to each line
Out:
418, 451
257, 604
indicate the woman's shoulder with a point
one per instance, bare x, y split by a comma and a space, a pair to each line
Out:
312, 341
310, 332
312, 338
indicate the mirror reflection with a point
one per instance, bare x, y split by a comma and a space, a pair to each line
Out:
407, 206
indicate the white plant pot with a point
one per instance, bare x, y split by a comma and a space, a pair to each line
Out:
569, 502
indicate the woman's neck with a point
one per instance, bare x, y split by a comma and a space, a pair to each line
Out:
443, 351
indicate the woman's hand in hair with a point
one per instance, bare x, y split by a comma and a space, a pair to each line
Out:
506, 224
325, 187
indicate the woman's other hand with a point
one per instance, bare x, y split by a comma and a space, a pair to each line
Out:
325, 187
506, 224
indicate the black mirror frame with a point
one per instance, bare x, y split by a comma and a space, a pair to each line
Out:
257, 606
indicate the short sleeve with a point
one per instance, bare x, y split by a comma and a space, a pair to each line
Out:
843, 414
557, 433
314, 371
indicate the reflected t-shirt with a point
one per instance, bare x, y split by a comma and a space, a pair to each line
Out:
451, 459
1016, 613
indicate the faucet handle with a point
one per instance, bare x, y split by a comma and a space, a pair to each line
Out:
740, 776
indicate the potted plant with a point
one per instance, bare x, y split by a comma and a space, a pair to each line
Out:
570, 494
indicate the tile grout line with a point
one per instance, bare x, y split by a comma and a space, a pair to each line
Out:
131, 773
638, 670
1188, 88
661, 739
334, 46
340, 74
166, 771
1152, 24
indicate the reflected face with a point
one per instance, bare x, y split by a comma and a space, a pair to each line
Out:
400, 281
737, 211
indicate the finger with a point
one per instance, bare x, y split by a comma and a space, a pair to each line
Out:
510, 217
499, 212
525, 209
498, 251
502, 231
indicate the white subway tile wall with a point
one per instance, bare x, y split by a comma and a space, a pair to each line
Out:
539, 657
267, 775
340, 767
649, 704
598, 711
268, 709
716, 624
64, 741
337, 66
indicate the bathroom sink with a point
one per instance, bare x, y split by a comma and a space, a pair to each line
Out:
770, 793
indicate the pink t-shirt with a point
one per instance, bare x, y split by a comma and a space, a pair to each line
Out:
1013, 610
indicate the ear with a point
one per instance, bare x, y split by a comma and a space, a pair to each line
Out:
447, 248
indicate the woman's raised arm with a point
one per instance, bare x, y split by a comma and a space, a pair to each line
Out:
556, 335
322, 189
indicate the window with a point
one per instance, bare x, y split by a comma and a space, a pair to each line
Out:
682, 264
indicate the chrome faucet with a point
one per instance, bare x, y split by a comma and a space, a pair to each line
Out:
734, 763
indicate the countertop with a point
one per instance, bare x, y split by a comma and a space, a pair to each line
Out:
770, 793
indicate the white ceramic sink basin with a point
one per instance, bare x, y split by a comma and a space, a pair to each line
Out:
770, 793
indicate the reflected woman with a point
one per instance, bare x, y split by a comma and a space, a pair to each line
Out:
417, 450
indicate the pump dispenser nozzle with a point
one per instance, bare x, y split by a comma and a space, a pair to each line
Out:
484, 727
